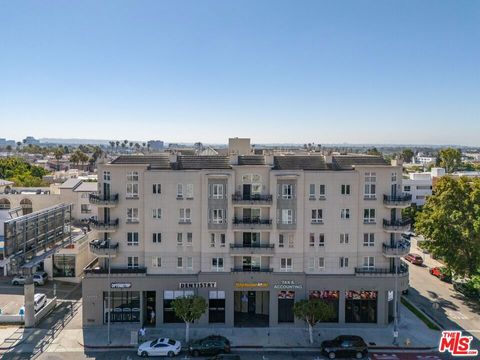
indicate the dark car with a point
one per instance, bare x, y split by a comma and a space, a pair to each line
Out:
442, 273
345, 346
211, 345
414, 259
226, 357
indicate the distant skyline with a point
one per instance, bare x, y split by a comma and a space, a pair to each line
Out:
358, 72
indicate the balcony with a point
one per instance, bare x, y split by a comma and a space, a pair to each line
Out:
124, 270
396, 226
402, 271
251, 269
104, 226
253, 199
106, 201
397, 201
254, 223
253, 249
103, 248
400, 248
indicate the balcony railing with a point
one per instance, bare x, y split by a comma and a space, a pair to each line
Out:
260, 249
251, 223
105, 226
400, 248
252, 199
402, 270
400, 225
103, 200
103, 248
251, 269
116, 270
402, 200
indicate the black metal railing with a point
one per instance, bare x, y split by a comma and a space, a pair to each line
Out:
116, 270
98, 224
396, 199
400, 246
103, 245
252, 246
252, 221
251, 197
99, 199
399, 223
402, 269
252, 269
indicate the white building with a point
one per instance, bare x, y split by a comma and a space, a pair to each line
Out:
419, 185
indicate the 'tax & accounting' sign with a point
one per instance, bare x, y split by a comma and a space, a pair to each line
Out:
198, 285
288, 285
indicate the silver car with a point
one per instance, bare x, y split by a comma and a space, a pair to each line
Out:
38, 279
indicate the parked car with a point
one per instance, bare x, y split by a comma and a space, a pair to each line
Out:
38, 279
226, 357
345, 346
160, 347
414, 259
211, 345
442, 273
39, 301
466, 287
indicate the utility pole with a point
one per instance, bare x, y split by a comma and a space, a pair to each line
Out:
395, 315
109, 313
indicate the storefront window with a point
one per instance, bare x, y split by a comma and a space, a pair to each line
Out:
63, 265
168, 296
330, 297
216, 307
286, 299
361, 306
125, 306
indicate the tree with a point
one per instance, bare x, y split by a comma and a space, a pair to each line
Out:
407, 155
374, 151
450, 221
189, 309
450, 159
9, 149
411, 213
313, 311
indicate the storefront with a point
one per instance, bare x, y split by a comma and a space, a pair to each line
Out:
360, 306
331, 297
125, 306
63, 266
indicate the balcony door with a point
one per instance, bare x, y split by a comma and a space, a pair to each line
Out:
251, 263
247, 191
393, 190
251, 215
106, 190
251, 239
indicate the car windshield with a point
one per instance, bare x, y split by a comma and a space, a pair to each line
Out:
171, 342
153, 342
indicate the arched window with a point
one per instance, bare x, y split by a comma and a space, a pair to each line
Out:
5, 204
27, 206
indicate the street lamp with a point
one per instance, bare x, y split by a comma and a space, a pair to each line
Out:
109, 314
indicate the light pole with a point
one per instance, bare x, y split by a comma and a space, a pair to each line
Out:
109, 314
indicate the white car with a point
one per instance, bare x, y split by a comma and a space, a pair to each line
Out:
160, 347
39, 301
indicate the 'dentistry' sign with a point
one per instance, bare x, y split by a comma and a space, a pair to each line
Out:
197, 285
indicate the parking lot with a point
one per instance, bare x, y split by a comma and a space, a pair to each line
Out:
11, 296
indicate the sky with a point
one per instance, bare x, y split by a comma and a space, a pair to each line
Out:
399, 72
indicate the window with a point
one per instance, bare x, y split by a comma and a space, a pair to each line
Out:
370, 188
157, 213
322, 191
63, 265
368, 262
287, 191
132, 215
222, 240
132, 190
179, 191
317, 216
157, 188
321, 263
189, 192
394, 177
212, 240
369, 216
344, 238
168, 297
291, 242
106, 175
321, 240
85, 208
216, 307
132, 238
312, 240
256, 189
217, 216
281, 240
287, 216
217, 191
132, 176
179, 239
189, 239
189, 263
132, 262
179, 262
369, 239
286, 264
406, 188
217, 264
343, 262
370, 177
345, 189
345, 213
251, 178
156, 262
311, 195
185, 216
311, 263
157, 238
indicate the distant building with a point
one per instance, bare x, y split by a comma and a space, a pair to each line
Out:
425, 160
31, 140
4, 143
156, 145
419, 185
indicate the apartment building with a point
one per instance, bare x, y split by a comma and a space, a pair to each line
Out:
251, 234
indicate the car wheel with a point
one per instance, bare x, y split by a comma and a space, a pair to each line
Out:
196, 353
331, 355
359, 355
15, 283
36, 283
144, 354
171, 354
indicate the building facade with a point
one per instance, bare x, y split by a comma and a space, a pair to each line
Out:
251, 234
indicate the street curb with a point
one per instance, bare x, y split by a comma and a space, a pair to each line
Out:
423, 312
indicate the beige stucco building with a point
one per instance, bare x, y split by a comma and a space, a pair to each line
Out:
249, 233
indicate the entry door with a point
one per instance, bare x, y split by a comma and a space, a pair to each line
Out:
106, 190
247, 214
394, 190
255, 239
251, 302
247, 191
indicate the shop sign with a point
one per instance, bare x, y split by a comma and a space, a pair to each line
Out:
360, 295
198, 285
253, 284
116, 285
288, 285
324, 294
390, 295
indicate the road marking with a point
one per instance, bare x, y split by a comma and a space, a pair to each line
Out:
457, 315
385, 356
433, 357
